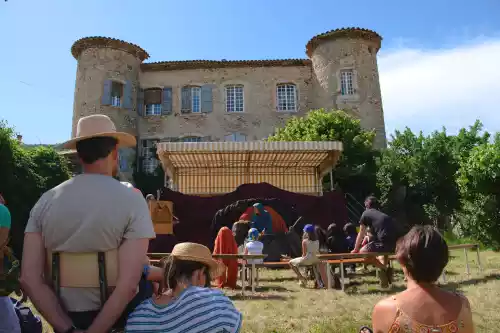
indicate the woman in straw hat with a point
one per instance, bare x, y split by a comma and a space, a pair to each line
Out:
186, 303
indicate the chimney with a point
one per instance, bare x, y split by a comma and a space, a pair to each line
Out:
20, 138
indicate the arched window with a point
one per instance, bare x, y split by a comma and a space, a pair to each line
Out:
286, 97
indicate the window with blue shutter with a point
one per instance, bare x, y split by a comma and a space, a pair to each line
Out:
186, 99
106, 93
166, 108
206, 98
127, 95
140, 102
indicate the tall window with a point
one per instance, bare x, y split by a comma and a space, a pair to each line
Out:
286, 97
235, 137
149, 161
116, 94
152, 100
346, 82
196, 99
234, 98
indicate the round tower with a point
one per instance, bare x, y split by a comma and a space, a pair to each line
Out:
346, 77
107, 80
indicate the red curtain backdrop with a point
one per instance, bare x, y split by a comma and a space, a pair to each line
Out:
196, 213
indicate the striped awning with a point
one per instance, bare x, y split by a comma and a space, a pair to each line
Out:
220, 167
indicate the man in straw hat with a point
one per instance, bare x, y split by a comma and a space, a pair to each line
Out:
90, 214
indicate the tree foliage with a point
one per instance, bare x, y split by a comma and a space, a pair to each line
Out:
355, 171
479, 180
25, 175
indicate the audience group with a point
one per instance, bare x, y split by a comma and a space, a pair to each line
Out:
92, 218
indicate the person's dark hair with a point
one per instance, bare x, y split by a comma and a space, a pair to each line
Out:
334, 231
320, 235
310, 235
175, 270
349, 229
424, 253
372, 202
93, 149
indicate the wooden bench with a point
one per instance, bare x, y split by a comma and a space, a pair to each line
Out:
345, 258
244, 258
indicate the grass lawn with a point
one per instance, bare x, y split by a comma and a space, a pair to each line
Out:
281, 306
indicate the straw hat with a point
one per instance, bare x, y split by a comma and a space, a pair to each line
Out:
198, 253
99, 125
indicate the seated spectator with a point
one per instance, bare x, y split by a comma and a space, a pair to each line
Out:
336, 241
423, 306
254, 246
350, 235
310, 250
8, 317
186, 303
226, 244
385, 236
321, 237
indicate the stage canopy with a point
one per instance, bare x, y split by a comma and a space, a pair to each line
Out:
209, 168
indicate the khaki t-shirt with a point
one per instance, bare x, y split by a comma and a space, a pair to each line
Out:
89, 213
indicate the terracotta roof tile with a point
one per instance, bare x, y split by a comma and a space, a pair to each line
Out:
343, 33
208, 64
84, 43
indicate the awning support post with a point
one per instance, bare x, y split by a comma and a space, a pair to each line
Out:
331, 180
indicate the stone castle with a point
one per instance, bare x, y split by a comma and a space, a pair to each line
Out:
206, 100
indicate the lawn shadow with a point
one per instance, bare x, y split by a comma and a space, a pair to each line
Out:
455, 286
279, 279
259, 297
353, 290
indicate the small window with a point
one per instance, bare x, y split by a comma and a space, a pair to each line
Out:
116, 94
286, 97
149, 165
195, 99
346, 82
234, 98
235, 137
152, 101
191, 139
149, 162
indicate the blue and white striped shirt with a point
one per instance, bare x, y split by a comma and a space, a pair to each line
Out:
196, 310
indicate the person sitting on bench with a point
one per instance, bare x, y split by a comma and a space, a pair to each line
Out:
310, 250
384, 231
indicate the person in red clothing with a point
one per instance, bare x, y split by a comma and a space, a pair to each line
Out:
226, 244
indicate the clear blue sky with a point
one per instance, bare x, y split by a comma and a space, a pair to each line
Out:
37, 71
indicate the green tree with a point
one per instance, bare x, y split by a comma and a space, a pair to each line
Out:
25, 175
479, 180
356, 169
425, 167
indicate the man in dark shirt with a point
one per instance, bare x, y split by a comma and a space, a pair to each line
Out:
384, 231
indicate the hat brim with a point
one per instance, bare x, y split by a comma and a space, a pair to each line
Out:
215, 267
124, 139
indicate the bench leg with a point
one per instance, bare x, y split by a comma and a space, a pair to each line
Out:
467, 262
257, 276
243, 269
479, 260
443, 276
342, 280
329, 276
253, 278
